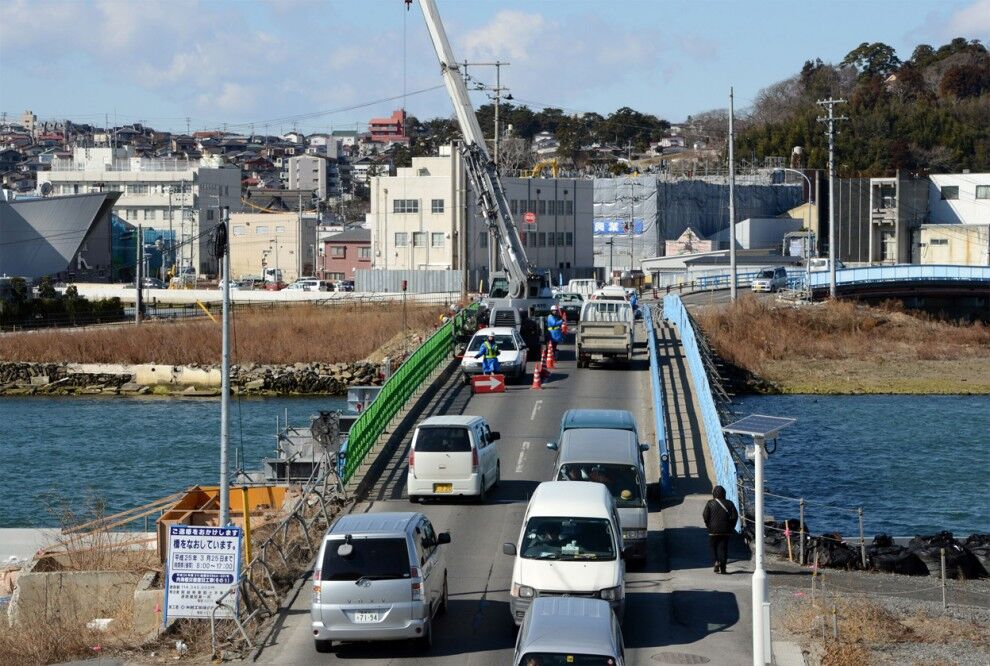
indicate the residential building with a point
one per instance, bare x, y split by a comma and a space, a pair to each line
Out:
426, 217
168, 193
389, 130
966, 244
345, 252
309, 172
364, 168
959, 198
898, 207
286, 241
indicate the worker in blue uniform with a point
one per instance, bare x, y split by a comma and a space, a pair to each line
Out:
555, 331
489, 355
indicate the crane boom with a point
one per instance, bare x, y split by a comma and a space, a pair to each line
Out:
523, 281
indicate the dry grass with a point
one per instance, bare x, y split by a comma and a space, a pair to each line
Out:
766, 339
63, 637
294, 334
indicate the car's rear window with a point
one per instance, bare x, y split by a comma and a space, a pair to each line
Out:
565, 659
380, 558
437, 439
622, 481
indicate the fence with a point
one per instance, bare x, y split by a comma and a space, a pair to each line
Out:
718, 448
396, 391
417, 281
659, 404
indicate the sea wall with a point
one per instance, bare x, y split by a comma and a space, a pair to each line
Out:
194, 380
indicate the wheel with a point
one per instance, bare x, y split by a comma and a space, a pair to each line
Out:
498, 474
425, 642
415, 499
466, 379
443, 598
484, 491
323, 647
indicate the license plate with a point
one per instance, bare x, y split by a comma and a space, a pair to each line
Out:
443, 487
365, 618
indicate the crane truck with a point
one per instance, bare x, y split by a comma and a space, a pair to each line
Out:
520, 295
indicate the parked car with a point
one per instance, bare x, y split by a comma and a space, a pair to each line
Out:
571, 304
770, 279
570, 544
820, 264
453, 456
569, 630
345, 285
379, 577
310, 284
274, 286
511, 353
152, 283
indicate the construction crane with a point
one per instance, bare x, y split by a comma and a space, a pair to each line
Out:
539, 166
520, 286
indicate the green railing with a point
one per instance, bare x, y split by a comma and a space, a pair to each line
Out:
397, 390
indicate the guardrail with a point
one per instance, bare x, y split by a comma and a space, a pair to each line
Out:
396, 391
903, 273
718, 448
659, 404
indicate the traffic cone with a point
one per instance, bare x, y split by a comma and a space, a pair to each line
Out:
537, 379
551, 354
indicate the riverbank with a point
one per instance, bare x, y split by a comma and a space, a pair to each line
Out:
841, 347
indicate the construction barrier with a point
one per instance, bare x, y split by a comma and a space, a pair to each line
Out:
396, 391
659, 404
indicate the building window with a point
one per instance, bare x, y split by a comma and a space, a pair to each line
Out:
436, 206
364, 253
483, 239
552, 207
405, 206
401, 239
560, 238
950, 192
261, 229
338, 251
137, 189
543, 207
335, 276
552, 240
149, 214
209, 214
543, 239
436, 240
939, 241
419, 239
560, 206
532, 206
239, 230
569, 239
983, 191
514, 206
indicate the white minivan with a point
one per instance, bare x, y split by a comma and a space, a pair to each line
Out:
570, 544
453, 456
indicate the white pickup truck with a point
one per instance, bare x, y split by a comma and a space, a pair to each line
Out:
605, 332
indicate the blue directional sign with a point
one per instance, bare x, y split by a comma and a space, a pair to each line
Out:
613, 226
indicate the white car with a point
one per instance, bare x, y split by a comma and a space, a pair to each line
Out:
770, 279
511, 353
610, 294
310, 285
453, 456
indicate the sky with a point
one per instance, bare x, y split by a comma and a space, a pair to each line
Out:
317, 65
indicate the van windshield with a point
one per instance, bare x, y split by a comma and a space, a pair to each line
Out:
565, 659
437, 439
766, 274
375, 558
504, 342
622, 481
552, 538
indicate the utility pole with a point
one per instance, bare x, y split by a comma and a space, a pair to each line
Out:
225, 370
137, 275
498, 90
831, 119
299, 259
171, 233
732, 198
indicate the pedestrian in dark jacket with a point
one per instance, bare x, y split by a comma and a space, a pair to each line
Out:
720, 517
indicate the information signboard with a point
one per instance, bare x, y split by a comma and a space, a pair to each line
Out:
202, 564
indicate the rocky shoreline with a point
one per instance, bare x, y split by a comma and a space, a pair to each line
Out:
48, 379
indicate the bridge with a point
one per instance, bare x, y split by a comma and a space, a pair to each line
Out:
677, 611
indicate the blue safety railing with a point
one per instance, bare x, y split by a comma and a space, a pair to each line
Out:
718, 448
659, 404
902, 273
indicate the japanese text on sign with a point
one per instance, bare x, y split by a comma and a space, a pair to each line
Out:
203, 563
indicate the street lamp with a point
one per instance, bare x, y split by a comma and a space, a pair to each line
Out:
760, 428
807, 238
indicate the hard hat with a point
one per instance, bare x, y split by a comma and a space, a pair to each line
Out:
554, 308
491, 335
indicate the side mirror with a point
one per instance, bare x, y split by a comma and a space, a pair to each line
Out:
442, 538
644, 447
509, 549
552, 446
494, 436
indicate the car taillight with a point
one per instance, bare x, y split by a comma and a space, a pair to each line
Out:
417, 584
316, 586
474, 460
412, 460
316, 574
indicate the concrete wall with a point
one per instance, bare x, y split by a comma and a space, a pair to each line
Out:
79, 595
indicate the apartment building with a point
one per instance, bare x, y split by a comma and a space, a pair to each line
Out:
285, 241
178, 194
426, 217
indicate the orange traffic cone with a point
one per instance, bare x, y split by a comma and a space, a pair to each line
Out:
551, 356
537, 379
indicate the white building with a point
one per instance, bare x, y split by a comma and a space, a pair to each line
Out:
308, 172
183, 195
286, 241
959, 198
426, 217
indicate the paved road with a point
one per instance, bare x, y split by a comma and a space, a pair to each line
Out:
478, 628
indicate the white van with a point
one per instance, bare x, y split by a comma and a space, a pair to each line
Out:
570, 544
584, 287
453, 456
610, 294
820, 264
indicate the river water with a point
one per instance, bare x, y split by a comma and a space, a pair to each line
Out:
126, 451
916, 464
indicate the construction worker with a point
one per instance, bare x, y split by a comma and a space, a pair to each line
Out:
489, 355
555, 329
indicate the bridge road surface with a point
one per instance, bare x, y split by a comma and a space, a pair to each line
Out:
478, 629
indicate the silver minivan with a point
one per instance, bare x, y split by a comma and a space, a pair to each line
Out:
569, 630
612, 457
379, 577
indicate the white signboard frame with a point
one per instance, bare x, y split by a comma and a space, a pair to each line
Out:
202, 564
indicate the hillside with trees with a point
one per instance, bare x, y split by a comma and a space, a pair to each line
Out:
929, 113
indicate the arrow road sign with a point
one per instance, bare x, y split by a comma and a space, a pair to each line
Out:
488, 383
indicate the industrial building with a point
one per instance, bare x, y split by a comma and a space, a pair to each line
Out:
182, 195
283, 241
67, 238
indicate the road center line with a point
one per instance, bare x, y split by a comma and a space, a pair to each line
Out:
535, 407
522, 457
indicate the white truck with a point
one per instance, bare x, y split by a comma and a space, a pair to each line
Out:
605, 332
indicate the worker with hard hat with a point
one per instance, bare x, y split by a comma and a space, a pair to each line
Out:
555, 330
489, 355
